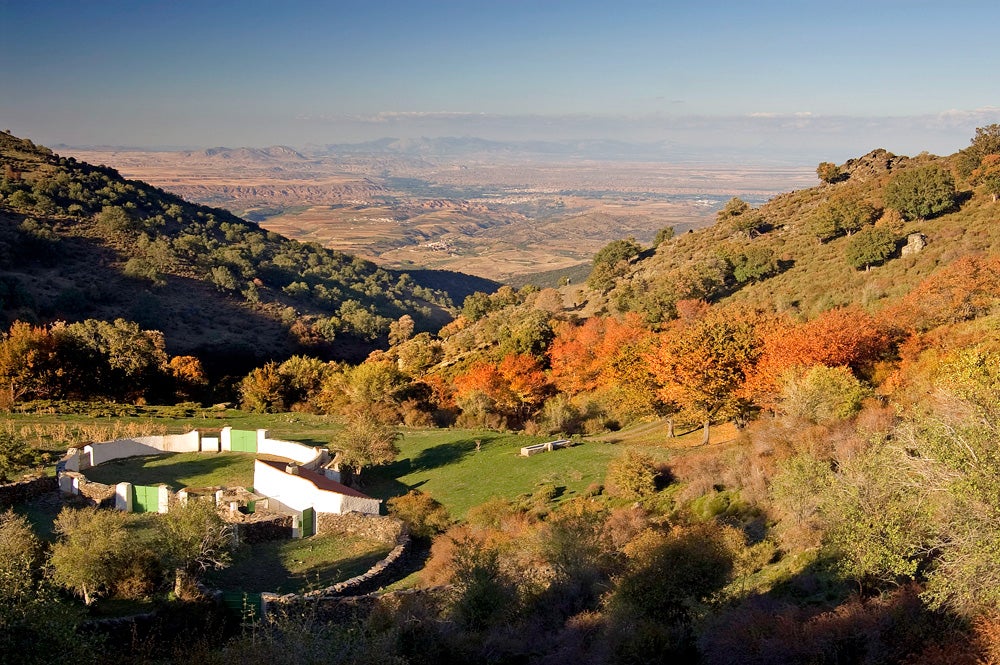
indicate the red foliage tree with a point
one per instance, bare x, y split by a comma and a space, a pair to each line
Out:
583, 356
846, 336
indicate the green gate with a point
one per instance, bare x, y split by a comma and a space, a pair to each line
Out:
145, 498
308, 522
243, 441
246, 605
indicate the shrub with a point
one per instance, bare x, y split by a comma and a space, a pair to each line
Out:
424, 516
631, 476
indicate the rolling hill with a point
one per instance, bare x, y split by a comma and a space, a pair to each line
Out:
79, 241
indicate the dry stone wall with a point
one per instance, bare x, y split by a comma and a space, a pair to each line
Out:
15, 493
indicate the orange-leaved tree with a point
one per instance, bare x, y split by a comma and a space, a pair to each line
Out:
963, 290
845, 336
581, 353
702, 364
513, 388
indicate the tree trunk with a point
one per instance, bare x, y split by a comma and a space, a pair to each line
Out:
86, 596
670, 428
707, 425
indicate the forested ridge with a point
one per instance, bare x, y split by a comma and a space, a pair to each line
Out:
832, 496
78, 241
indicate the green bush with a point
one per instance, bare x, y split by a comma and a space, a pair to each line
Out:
921, 192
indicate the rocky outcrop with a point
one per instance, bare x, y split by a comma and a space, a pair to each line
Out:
876, 163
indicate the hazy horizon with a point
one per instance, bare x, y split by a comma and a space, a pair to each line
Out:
794, 82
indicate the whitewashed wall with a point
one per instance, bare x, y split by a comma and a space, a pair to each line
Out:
299, 493
307, 456
142, 445
293, 491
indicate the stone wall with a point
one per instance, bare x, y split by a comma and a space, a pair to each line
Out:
263, 529
22, 491
381, 528
348, 608
385, 529
91, 493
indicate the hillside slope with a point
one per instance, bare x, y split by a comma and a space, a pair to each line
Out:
78, 241
790, 255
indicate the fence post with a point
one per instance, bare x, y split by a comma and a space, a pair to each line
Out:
123, 497
163, 500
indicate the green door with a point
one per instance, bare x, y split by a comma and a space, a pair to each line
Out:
243, 441
245, 605
308, 522
145, 499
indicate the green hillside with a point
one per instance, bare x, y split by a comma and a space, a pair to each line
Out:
794, 253
78, 241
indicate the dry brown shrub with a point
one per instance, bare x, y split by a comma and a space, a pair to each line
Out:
624, 524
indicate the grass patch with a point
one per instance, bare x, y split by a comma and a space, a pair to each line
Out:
41, 512
178, 470
446, 465
302, 564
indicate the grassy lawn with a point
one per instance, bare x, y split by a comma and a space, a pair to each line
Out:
41, 513
446, 465
178, 470
442, 463
302, 564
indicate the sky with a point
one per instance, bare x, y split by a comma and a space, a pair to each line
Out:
781, 80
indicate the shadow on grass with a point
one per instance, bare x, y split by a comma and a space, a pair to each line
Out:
156, 469
260, 567
437, 456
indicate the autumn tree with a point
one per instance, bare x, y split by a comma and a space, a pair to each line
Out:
189, 376
702, 364
921, 192
367, 439
373, 381
985, 142
961, 290
401, 330
302, 378
987, 175
261, 390
513, 389
845, 336
829, 172
29, 363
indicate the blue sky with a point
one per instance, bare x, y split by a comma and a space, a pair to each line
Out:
816, 80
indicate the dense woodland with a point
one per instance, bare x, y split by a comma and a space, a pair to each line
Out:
854, 516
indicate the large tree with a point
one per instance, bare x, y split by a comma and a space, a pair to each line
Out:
702, 364
921, 192
367, 439
871, 247
93, 547
194, 540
